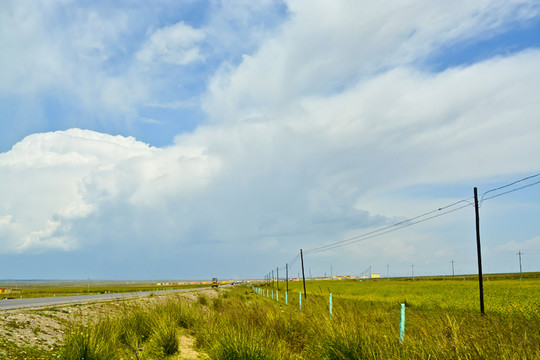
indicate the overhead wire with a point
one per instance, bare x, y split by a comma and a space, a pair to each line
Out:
511, 191
390, 228
416, 220
508, 185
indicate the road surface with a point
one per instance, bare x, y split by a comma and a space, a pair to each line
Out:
62, 300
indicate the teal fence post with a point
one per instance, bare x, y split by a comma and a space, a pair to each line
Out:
267, 293
286, 299
330, 303
402, 324
300, 300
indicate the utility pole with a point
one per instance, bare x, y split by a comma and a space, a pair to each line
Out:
277, 278
303, 276
287, 276
479, 252
520, 272
370, 271
272, 278
453, 277
412, 269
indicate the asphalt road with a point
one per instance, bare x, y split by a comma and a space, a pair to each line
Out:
62, 300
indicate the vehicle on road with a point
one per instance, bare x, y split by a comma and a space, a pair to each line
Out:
214, 283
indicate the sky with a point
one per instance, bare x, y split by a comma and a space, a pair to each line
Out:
192, 139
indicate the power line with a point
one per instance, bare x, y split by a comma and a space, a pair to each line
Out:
390, 228
507, 185
411, 221
511, 191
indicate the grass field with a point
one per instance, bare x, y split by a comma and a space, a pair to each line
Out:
442, 322
38, 289
501, 296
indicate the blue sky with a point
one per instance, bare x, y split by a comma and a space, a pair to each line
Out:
190, 139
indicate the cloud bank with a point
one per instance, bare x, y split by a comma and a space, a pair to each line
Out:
334, 109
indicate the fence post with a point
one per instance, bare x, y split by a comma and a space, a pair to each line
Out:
277, 295
300, 300
402, 324
330, 303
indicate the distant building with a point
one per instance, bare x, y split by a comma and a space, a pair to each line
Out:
9, 291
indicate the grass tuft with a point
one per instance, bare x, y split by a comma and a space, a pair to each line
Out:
91, 342
165, 337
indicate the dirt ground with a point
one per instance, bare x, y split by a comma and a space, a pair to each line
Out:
44, 328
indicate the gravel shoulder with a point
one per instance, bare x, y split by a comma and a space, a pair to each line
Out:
42, 329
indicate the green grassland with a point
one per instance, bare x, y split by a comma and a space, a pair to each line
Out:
501, 296
443, 321
38, 289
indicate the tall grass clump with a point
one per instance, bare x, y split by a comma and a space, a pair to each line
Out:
178, 311
91, 342
136, 331
134, 327
164, 339
202, 300
241, 345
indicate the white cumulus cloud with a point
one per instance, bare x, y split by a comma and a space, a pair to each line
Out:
50, 181
174, 44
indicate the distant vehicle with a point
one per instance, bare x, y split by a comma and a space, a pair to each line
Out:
214, 283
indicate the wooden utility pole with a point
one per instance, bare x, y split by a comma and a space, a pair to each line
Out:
303, 275
453, 277
277, 278
287, 276
520, 271
479, 252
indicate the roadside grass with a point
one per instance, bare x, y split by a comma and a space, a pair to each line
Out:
135, 331
240, 324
